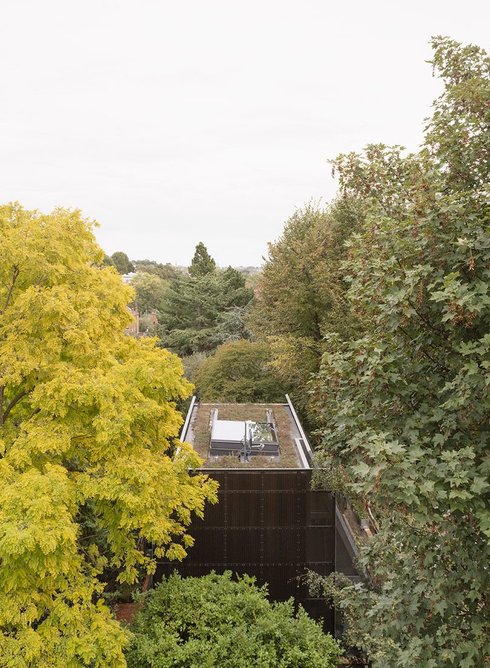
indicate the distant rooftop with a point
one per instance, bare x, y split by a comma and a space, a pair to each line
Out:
210, 427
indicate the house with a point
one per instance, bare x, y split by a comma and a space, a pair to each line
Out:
268, 522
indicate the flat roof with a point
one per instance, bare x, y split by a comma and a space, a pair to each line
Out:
197, 432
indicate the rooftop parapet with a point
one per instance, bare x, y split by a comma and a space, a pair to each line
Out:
248, 435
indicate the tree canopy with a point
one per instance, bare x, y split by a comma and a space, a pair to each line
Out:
151, 291
200, 313
165, 271
239, 371
406, 407
88, 465
301, 294
301, 289
122, 262
202, 263
232, 626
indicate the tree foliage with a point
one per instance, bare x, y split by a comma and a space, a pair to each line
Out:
202, 312
301, 291
151, 291
87, 426
239, 371
297, 290
215, 621
165, 271
406, 407
202, 263
122, 262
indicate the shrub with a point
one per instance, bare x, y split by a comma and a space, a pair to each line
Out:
217, 621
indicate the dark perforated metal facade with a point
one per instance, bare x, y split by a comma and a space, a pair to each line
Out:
270, 524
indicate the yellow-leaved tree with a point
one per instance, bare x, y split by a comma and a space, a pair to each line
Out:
89, 469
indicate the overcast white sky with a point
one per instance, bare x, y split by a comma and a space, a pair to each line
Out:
173, 122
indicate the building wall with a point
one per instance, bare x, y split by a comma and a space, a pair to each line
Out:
270, 524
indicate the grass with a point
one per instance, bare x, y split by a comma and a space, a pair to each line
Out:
256, 412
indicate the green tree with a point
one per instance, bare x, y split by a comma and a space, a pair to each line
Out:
202, 263
190, 314
301, 293
107, 262
122, 262
87, 432
239, 371
165, 271
407, 406
236, 294
150, 291
192, 363
200, 313
215, 621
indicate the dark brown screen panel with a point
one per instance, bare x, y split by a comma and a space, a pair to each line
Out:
269, 524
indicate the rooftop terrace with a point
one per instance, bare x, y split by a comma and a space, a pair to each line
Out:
293, 453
